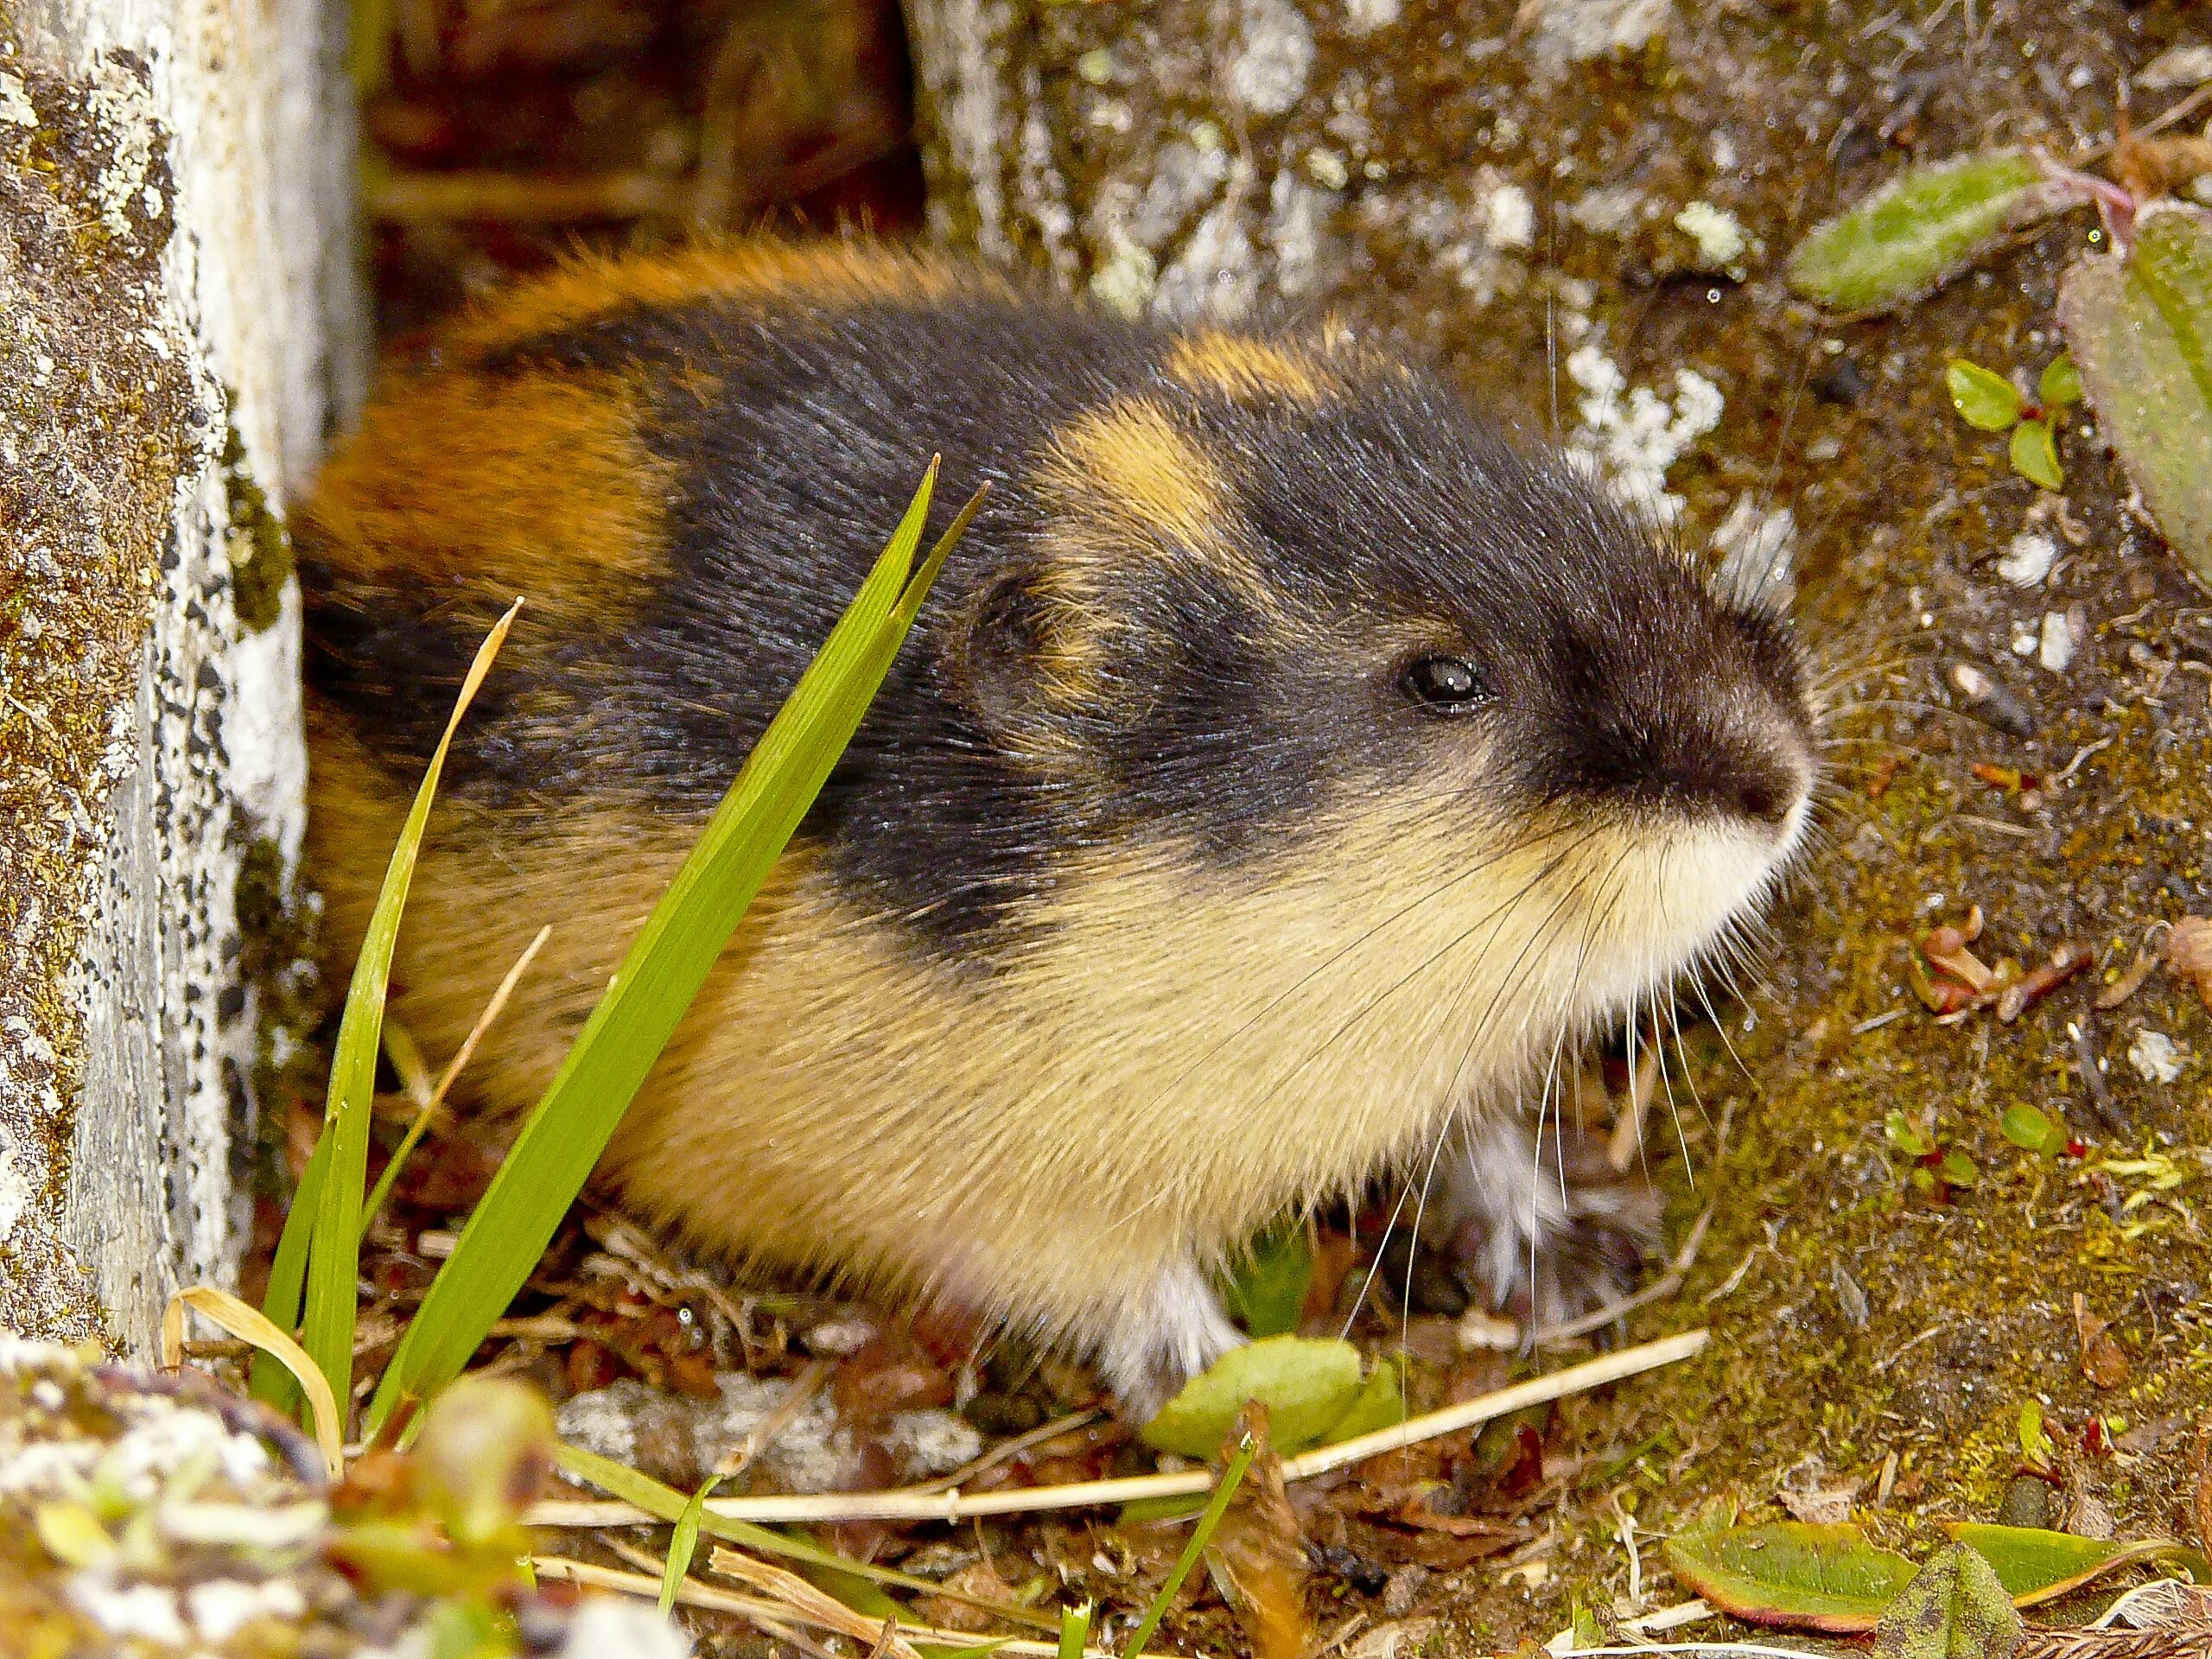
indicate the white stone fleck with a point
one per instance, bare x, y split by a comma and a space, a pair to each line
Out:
2024, 636
1610, 210
148, 1611
15, 103
1719, 235
931, 1442
613, 1624
15, 1193
1275, 56
2155, 1055
2062, 633
1509, 218
2188, 64
1570, 31
2028, 560
1217, 274
1366, 16
222, 1607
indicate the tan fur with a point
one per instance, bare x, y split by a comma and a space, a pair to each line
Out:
1133, 483
1048, 1142
536, 484
1237, 365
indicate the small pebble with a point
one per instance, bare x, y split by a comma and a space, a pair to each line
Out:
2154, 1056
1988, 700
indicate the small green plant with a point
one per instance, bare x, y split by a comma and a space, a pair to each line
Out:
2136, 311
1936, 1168
312, 1280
2032, 1130
1989, 403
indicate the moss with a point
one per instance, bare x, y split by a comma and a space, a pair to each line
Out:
260, 547
98, 408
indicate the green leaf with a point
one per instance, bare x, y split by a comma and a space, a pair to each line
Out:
2028, 1127
2141, 332
1920, 228
684, 1544
1308, 1385
667, 962
1954, 1608
2061, 383
2035, 1566
334, 1246
1380, 1403
1902, 1134
2035, 457
1956, 1168
1270, 1288
1984, 398
1232, 1477
2035, 1439
1790, 1573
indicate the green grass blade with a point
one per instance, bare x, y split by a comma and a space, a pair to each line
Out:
1075, 1631
1231, 1478
333, 1250
666, 1504
665, 966
271, 1383
684, 1545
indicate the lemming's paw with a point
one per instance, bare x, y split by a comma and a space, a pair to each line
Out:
1544, 1249
1170, 1334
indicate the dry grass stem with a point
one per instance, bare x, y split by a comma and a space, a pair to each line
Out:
1013, 1448
775, 1616
921, 1504
803, 1389
786, 1586
1657, 1290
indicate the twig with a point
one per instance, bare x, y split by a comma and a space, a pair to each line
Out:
913, 1505
766, 1613
516, 197
802, 1389
1659, 1288
1007, 1449
427, 1108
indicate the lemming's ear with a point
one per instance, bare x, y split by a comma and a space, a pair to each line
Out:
1032, 654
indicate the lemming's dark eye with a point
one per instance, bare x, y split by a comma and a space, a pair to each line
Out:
1447, 684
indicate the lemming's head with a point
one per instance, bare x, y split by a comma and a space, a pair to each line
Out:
1294, 614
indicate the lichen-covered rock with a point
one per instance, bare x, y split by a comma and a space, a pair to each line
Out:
179, 326
104, 416
145, 1516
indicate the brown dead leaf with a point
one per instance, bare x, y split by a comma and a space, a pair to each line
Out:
1400, 1637
1826, 1506
2128, 983
2104, 1362
2149, 168
1257, 1557
2188, 951
979, 1580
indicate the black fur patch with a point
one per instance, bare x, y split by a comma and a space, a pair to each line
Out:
1390, 516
